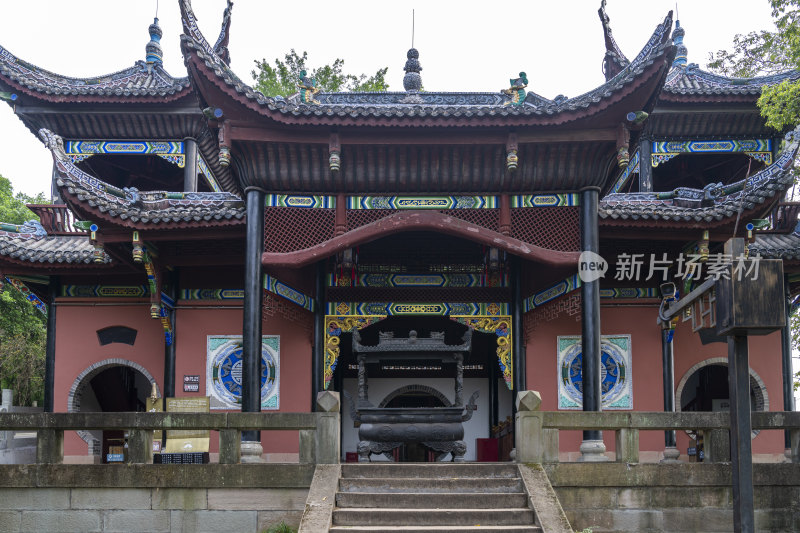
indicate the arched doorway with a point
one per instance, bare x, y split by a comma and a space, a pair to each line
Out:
704, 387
112, 385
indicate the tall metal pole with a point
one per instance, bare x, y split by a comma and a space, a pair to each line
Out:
251, 327
50, 347
671, 452
190, 165
592, 447
741, 451
786, 362
318, 354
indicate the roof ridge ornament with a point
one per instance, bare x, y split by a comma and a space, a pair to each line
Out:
681, 57
412, 81
517, 89
153, 49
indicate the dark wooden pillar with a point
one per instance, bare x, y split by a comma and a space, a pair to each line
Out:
645, 166
741, 449
740, 439
318, 354
251, 327
786, 361
517, 344
190, 168
170, 349
50, 347
592, 448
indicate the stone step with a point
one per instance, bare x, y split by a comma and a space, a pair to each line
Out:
422, 500
429, 470
427, 485
434, 529
432, 517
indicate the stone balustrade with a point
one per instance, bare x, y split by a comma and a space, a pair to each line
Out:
537, 432
318, 432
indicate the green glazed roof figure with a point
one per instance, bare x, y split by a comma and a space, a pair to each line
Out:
517, 89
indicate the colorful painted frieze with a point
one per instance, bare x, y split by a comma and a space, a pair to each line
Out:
422, 202
276, 286
308, 202
104, 291
172, 151
759, 149
545, 200
27, 293
212, 294
625, 175
417, 308
384, 280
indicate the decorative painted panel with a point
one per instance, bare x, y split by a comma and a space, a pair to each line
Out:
224, 371
212, 294
207, 174
27, 293
417, 308
172, 151
308, 202
625, 175
422, 202
630, 292
760, 149
335, 325
104, 291
275, 286
615, 372
426, 280
545, 200
501, 327
551, 293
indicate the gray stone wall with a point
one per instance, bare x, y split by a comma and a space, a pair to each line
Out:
697, 498
148, 509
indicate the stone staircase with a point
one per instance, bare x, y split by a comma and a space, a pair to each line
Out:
438, 497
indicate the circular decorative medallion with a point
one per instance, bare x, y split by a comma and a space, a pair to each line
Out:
227, 373
613, 373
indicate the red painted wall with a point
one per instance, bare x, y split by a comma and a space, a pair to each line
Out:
77, 347
640, 324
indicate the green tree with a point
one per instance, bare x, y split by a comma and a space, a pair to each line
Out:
769, 52
281, 78
22, 326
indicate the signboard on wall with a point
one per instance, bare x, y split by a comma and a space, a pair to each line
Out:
191, 383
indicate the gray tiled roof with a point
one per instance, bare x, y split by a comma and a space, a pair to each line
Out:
419, 104
715, 203
139, 80
54, 249
777, 246
691, 80
131, 207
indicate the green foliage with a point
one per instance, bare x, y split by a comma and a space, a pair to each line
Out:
281, 528
769, 52
12, 207
281, 79
22, 367
22, 326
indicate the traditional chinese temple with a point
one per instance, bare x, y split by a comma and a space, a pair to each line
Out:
413, 249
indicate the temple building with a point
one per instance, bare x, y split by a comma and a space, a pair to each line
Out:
411, 249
